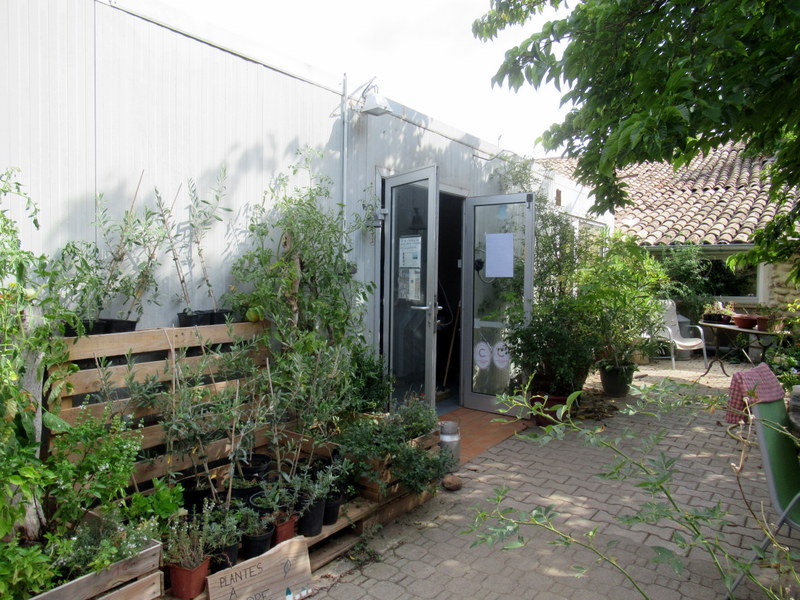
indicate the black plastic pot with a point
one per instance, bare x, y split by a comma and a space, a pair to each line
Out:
616, 381
96, 327
193, 499
219, 317
310, 522
252, 502
224, 558
333, 503
120, 325
244, 493
202, 317
256, 545
257, 467
197, 317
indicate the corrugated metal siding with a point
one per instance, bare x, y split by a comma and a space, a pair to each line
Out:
97, 96
177, 108
47, 111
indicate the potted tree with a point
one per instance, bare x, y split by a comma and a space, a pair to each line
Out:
552, 344
622, 285
91, 278
186, 239
278, 499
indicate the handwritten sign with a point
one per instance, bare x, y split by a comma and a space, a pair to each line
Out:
283, 573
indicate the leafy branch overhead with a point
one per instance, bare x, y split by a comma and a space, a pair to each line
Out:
665, 81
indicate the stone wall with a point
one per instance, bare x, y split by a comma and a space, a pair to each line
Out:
781, 293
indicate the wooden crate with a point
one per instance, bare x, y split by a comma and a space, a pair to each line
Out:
386, 487
134, 578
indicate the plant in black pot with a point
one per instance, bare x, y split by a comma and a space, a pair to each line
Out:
622, 286
554, 348
278, 499
91, 278
257, 530
221, 531
185, 239
314, 487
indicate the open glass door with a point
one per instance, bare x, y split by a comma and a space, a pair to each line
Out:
411, 272
497, 261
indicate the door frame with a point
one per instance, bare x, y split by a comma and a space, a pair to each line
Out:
429, 173
470, 399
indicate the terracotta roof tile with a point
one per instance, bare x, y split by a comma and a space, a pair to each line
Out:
718, 198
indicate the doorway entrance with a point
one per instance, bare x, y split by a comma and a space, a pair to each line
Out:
449, 262
421, 288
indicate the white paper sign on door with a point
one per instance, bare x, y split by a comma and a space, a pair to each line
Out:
499, 255
410, 252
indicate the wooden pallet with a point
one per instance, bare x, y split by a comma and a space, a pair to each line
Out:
154, 354
358, 517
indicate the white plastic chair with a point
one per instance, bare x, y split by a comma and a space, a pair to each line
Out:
671, 332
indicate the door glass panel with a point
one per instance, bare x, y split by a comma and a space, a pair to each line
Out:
499, 271
409, 323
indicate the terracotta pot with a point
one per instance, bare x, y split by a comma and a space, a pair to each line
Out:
285, 530
764, 323
744, 321
188, 583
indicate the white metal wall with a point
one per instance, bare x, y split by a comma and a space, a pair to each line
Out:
97, 95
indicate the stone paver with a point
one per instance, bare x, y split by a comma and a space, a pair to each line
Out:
426, 555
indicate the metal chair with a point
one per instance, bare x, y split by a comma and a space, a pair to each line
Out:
781, 466
671, 332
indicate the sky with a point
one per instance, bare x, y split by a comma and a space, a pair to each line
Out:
422, 52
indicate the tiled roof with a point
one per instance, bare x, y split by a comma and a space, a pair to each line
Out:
719, 198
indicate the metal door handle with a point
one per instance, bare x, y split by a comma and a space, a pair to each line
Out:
424, 308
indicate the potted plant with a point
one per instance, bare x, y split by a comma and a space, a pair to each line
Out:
184, 241
622, 286
718, 312
392, 451
90, 278
279, 500
554, 347
257, 530
552, 344
314, 487
186, 555
221, 533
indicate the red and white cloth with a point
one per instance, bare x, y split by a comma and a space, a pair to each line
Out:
748, 387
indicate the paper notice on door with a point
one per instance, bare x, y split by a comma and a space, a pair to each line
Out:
499, 255
409, 285
410, 252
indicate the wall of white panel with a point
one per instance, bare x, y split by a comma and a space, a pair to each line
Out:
98, 98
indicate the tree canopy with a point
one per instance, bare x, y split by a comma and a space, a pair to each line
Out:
665, 81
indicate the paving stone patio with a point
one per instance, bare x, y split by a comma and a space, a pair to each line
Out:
425, 553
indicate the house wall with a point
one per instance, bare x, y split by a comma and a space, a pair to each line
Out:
101, 93
574, 198
781, 293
